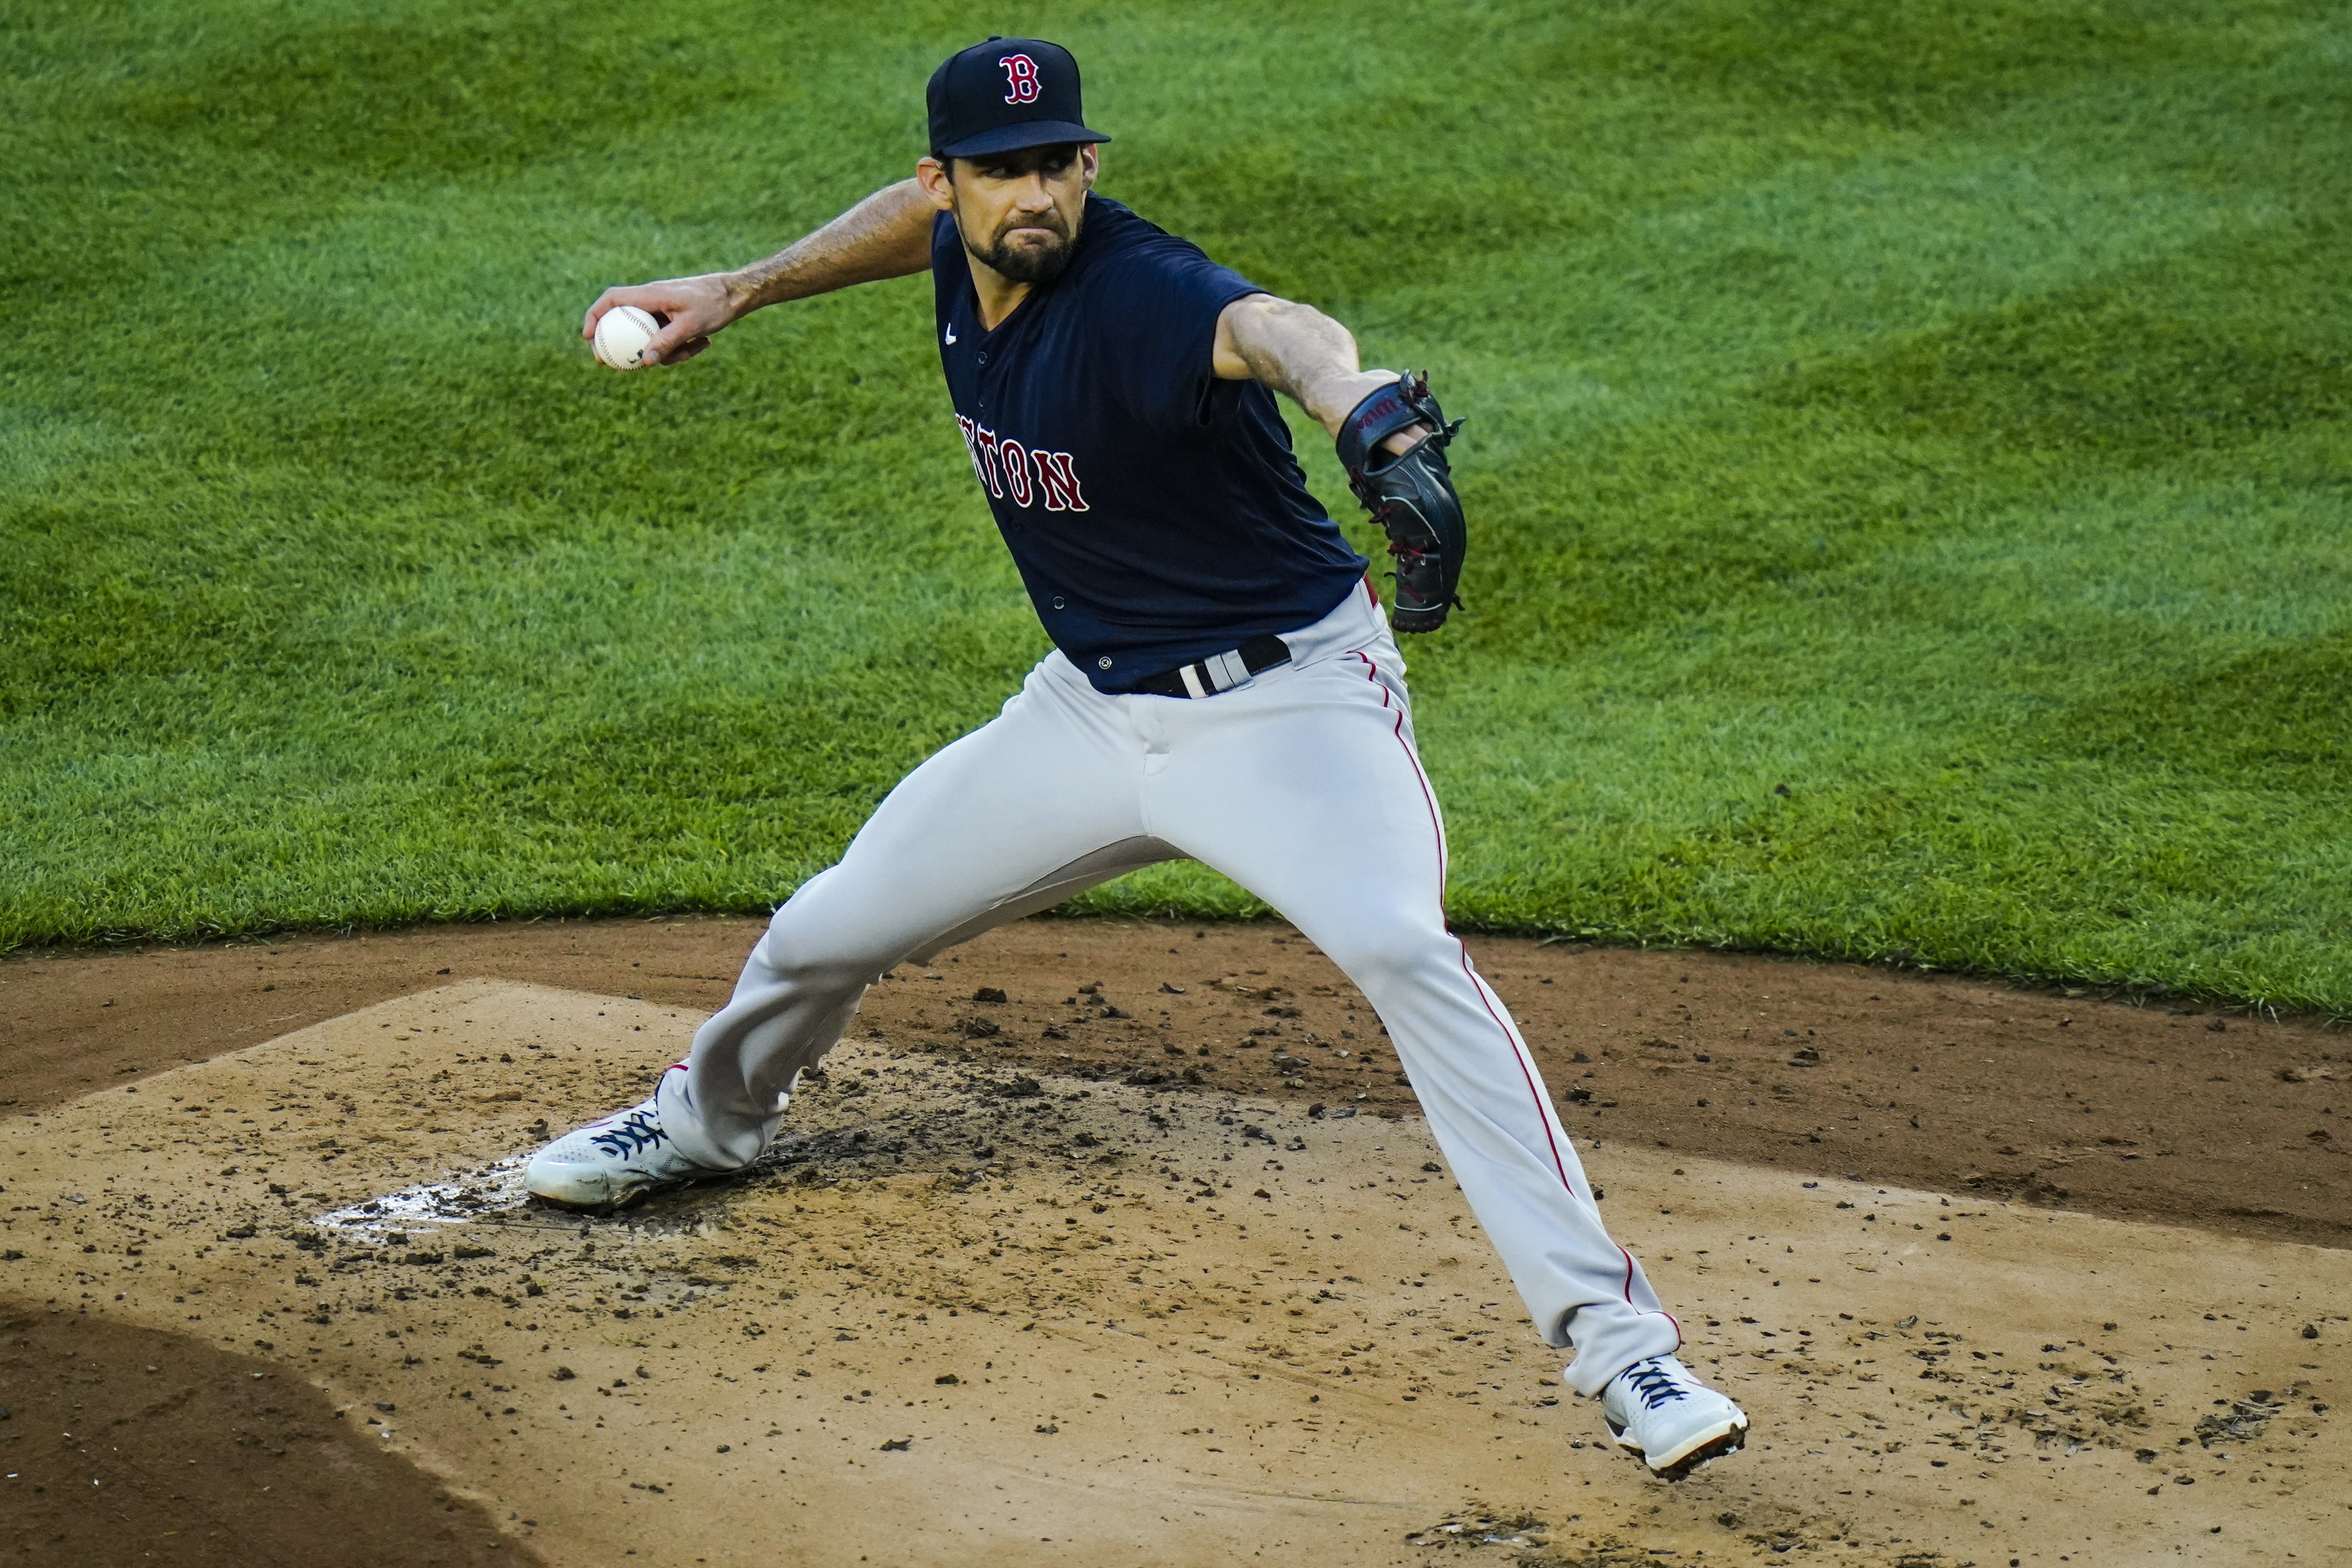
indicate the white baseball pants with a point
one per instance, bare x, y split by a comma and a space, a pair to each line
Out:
1303, 786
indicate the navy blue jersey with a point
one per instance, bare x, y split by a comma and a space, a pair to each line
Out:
1157, 513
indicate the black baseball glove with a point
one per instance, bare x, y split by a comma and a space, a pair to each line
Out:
1411, 495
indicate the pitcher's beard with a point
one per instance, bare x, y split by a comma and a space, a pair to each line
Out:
1030, 263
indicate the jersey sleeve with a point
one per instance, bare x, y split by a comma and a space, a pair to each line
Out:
1158, 343
949, 275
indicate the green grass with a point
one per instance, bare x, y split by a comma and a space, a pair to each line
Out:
1936, 412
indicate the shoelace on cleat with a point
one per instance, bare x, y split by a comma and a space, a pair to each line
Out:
1654, 1385
636, 1131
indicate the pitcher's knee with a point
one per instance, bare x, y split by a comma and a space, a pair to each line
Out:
806, 962
1399, 955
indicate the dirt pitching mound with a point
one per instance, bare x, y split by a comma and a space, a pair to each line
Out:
2165, 1112
970, 1313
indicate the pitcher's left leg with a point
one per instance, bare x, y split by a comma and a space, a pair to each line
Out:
1304, 788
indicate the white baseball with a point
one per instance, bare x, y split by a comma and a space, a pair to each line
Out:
621, 334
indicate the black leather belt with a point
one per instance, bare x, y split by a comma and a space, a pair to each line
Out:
1219, 672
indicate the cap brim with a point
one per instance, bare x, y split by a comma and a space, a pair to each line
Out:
1013, 137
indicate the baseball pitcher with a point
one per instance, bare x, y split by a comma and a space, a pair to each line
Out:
1223, 687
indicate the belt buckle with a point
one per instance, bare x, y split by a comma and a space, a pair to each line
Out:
1217, 673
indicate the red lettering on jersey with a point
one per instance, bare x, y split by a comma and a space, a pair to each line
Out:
971, 447
988, 450
1015, 460
1021, 78
1057, 481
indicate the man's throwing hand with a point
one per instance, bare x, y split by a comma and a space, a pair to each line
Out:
687, 311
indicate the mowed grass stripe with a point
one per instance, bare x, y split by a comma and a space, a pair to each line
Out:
1937, 414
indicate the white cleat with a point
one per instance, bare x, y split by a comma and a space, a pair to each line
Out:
613, 1163
1673, 1422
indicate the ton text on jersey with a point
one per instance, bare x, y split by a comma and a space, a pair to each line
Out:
1023, 475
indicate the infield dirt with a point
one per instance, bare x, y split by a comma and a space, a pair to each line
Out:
1014, 1288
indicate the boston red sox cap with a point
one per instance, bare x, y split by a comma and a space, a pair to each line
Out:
1004, 95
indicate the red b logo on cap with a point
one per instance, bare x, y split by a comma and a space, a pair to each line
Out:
1021, 75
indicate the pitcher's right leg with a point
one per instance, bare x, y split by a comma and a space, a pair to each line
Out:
1019, 815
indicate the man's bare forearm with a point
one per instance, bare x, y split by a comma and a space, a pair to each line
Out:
1302, 354
888, 235
1296, 349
